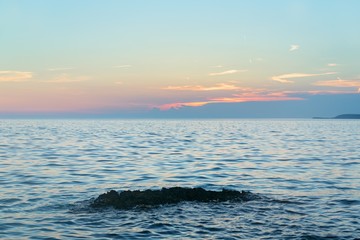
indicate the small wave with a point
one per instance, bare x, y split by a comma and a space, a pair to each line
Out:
315, 237
349, 202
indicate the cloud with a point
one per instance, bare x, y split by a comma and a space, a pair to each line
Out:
14, 76
318, 92
217, 87
182, 104
123, 66
253, 60
332, 64
60, 69
254, 99
339, 83
294, 47
65, 78
218, 66
284, 77
248, 95
227, 72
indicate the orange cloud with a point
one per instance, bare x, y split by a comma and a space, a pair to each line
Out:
316, 92
284, 77
338, 83
217, 87
14, 76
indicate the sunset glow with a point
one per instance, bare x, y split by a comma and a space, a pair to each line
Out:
96, 57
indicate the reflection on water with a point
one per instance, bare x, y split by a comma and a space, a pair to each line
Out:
307, 172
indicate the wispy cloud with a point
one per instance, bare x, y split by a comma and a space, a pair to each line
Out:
181, 104
255, 98
65, 78
318, 92
217, 87
218, 66
339, 83
15, 76
253, 60
246, 95
284, 77
294, 47
332, 64
60, 69
123, 66
227, 72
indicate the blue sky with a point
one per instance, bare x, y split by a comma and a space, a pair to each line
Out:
130, 57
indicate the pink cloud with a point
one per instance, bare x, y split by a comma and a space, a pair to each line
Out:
255, 98
236, 98
182, 104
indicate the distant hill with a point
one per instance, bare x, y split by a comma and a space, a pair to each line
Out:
342, 116
348, 116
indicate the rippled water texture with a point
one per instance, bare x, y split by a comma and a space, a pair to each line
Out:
306, 172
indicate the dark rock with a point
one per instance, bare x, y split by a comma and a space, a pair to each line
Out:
130, 199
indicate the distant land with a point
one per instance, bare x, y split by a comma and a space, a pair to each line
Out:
342, 116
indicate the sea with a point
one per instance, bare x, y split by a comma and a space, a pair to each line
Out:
306, 174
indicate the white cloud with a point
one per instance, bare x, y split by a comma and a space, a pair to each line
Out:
294, 47
14, 76
332, 64
284, 77
227, 72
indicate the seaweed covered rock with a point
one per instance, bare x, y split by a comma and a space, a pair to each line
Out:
130, 199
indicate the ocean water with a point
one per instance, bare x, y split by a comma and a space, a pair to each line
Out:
305, 172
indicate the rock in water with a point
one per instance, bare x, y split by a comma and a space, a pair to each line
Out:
130, 199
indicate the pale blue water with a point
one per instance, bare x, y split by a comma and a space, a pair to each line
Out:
307, 173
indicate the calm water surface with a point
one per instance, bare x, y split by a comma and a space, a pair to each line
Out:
307, 173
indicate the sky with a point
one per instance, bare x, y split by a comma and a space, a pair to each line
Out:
183, 58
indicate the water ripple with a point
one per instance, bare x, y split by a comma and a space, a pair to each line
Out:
305, 171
